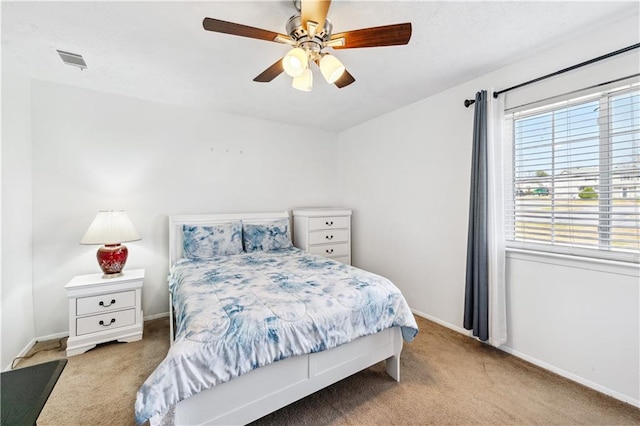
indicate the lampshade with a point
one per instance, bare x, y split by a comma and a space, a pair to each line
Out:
303, 82
295, 62
331, 68
110, 227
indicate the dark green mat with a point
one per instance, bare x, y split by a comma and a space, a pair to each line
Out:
24, 391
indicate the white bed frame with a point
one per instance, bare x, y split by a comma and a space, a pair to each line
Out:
269, 388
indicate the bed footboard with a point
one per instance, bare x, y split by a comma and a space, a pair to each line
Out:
266, 389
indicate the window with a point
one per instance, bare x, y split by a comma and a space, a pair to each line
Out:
575, 176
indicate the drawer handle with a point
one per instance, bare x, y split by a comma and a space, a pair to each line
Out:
106, 306
329, 223
107, 325
329, 237
329, 251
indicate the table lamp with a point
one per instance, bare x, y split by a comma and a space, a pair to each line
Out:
111, 228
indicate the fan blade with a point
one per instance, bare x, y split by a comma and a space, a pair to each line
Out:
225, 27
315, 11
270, 73
386, 35
344, 80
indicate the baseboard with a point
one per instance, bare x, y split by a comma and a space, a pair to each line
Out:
442, 323
35, 340
573, 377
156, 316
22, 353
52, 336
560, 372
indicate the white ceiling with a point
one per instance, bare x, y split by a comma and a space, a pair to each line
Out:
159, 50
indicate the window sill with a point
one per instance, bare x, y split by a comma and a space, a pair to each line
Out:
570, 261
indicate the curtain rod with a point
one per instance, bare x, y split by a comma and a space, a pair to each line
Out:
469, 102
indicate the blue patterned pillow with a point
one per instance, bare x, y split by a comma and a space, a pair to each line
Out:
205, 242
266, 236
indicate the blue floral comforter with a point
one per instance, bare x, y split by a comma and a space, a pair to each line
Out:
237, 313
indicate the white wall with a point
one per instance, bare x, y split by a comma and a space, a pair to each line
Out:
577, 318
406, 175
94, 151
17, 292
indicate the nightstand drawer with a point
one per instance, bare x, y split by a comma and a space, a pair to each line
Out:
107, 321
329, 222
105, 302
330, 236
331, 250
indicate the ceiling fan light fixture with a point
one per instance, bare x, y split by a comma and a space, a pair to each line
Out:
303, 82
331, 68
295, 62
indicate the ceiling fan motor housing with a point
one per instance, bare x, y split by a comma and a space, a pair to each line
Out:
300, 35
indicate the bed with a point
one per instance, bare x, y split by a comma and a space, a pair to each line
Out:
237, 312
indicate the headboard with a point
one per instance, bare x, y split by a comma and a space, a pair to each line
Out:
176, 223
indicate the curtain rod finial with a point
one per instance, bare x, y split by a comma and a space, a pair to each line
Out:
469, 102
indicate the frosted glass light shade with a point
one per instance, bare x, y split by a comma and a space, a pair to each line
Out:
331, 68
304, 82
295, 62
110, 227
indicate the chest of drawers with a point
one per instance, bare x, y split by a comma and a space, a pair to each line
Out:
326, 232
104, 309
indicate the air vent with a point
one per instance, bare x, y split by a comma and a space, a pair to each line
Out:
72, 59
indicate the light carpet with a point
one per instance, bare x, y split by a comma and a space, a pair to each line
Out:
447, 378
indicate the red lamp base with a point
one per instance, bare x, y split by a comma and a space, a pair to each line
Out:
111, 258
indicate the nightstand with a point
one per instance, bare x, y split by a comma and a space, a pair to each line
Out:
104, 309
324, 231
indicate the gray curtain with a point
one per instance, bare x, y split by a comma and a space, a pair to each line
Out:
476, 299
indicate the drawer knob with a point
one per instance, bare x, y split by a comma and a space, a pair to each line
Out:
329, 237
329, 223
329, 251
107, 325
106, 306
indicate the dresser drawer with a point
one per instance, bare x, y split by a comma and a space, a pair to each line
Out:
329, 236
105, 302
109, 321
328, 222
330, 250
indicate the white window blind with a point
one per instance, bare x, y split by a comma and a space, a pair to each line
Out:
575, 176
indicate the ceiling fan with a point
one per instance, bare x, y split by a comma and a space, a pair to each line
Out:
309, 32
